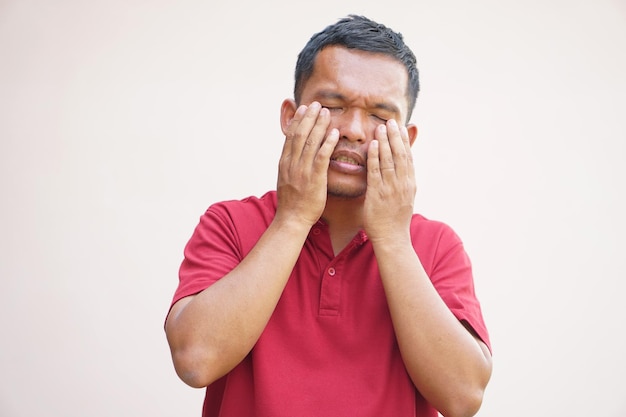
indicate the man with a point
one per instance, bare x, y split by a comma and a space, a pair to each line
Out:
329, 297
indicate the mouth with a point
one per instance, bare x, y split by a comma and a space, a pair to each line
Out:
347, 162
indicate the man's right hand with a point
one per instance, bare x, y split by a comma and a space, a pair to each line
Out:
303, 166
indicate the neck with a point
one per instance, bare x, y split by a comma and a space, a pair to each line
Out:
344, 217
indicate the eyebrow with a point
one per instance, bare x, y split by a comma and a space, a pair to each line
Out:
332, 95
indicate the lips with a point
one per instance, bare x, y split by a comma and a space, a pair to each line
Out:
347, 162
348, 157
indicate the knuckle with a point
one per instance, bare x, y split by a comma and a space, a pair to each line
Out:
290, 135
299, 135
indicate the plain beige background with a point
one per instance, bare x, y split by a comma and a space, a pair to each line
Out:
121, 121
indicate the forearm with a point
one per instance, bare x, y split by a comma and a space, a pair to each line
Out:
445, 361
214, 330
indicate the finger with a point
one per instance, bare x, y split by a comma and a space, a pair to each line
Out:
374, 178
400, 147
291, 131
315, 138
302, 130
322, 157
385, 155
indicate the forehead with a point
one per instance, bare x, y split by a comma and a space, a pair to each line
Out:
359, 76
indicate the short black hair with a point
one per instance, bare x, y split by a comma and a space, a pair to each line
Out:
359, 32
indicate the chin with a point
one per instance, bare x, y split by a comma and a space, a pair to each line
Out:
346, 192
346, 186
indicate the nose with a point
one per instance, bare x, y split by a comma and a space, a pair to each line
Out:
352, 126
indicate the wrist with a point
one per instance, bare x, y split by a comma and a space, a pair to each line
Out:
392, 242
290, 223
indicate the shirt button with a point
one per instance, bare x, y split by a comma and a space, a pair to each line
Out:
331, 271
316, 231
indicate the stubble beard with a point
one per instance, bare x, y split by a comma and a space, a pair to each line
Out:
346, 192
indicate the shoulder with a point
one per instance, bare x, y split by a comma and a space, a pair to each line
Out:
432, 230
249, 208
436, 243
241, 221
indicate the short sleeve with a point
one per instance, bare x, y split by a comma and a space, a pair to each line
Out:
225, 234
212, 252
450, 270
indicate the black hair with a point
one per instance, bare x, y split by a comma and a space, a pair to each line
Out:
359, 32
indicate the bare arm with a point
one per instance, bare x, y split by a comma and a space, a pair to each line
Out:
211, 332
447, 363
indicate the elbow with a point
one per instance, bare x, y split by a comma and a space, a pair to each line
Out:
470, 393
467, 406
468, 397
193, 368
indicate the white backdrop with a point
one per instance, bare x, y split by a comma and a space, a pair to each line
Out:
121, 121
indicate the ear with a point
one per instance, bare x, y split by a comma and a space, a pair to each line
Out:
287, 110
412, 129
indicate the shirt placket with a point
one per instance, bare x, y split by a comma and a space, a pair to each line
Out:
330, 292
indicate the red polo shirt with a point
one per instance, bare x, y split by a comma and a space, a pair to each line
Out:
329, 349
